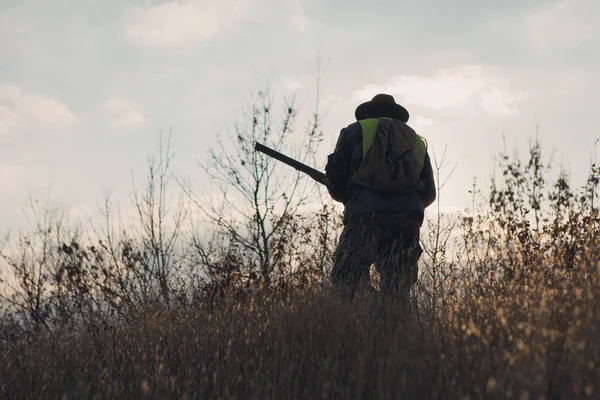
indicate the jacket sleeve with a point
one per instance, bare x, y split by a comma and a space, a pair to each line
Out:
428, 192
338, 167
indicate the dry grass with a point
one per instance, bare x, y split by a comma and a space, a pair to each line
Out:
506, 307
522, 341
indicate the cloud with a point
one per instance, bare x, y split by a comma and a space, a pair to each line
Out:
9, 176
175, 71
20, 110
563, 23
10, 120
290, 84
123, 114
468, 88
422, 121
183, 23
297, 17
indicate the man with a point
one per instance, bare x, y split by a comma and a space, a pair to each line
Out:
381, 172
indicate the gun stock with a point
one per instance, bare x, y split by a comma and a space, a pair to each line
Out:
297, 165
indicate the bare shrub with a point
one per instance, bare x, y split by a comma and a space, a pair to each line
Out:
508, 302
267, 229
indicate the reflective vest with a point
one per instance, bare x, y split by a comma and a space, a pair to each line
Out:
369, 128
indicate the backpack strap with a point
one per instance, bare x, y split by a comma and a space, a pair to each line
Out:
420, 151
369, 127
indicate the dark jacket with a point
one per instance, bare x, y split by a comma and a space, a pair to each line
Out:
346, 159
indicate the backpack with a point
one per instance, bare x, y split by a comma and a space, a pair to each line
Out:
393, 157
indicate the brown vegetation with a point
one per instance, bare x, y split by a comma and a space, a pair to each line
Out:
506, 305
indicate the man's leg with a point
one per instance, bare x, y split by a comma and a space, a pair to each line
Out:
354, 255
399, 255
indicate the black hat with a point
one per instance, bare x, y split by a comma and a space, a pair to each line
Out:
382, 105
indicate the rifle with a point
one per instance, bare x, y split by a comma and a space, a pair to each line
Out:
313, 173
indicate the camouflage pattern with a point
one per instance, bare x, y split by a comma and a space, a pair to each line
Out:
390, 241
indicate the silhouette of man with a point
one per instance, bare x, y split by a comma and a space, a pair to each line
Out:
381, 222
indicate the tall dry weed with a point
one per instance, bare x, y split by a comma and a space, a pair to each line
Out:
506, 307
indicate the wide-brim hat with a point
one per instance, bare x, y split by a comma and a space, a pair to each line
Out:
382, 105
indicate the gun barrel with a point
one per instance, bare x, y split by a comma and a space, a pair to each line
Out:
313, 173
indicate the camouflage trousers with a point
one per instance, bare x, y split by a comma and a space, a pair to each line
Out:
388, 240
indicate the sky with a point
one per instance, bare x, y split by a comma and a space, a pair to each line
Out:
87, 86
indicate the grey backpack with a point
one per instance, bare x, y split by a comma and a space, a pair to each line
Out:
393, 157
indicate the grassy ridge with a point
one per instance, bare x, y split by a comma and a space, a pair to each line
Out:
506, 306
511, 342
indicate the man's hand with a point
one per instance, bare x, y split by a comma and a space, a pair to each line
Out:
337, 181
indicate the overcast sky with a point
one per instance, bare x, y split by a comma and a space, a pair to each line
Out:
87, 85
